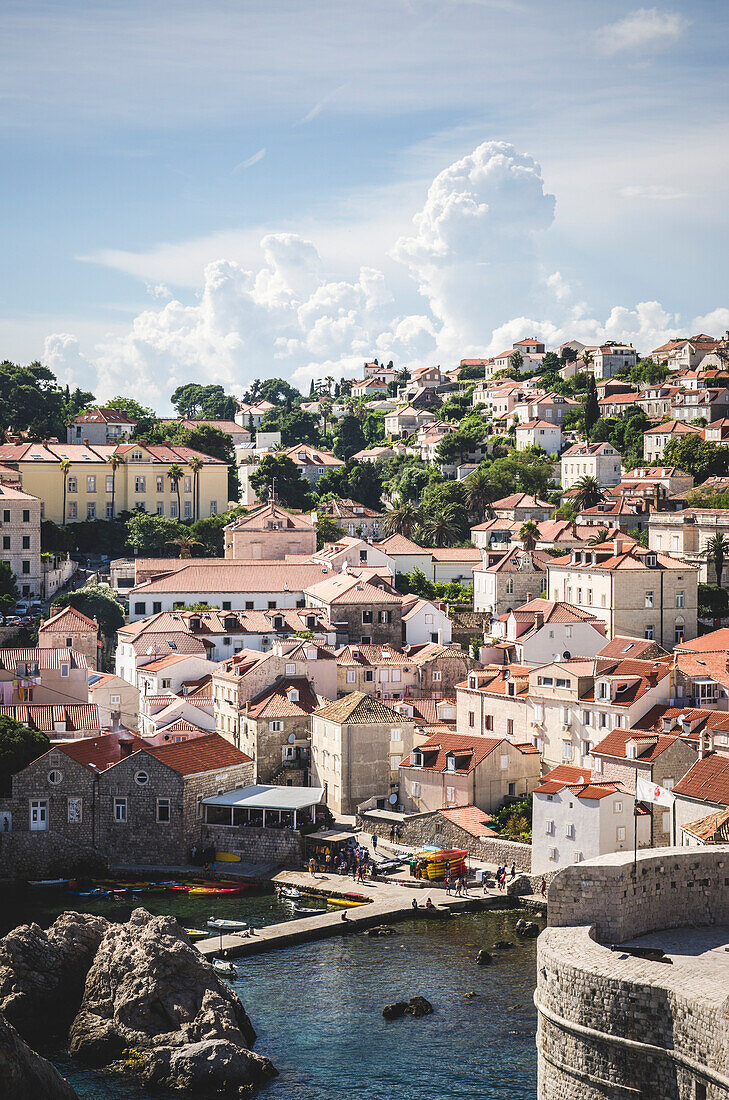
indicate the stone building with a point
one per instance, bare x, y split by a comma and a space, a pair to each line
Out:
449, 770
150, 803
440, 668
275, 731
20, 539
612, 1023
515, 578
369, 606
71, 629
270, 532
357, 745
354, 518
638, 592
598, 460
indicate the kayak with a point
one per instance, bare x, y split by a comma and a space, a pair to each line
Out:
344, 903
214, 890
49, 882
196, 933
221, 924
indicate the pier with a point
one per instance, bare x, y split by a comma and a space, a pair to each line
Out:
390, 902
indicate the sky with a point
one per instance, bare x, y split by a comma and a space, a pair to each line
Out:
235, 190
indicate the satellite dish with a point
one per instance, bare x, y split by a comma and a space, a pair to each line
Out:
393, 799
292, 738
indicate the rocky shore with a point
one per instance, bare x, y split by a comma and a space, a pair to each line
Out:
137, 999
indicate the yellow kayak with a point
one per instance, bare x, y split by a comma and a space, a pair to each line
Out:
344, 903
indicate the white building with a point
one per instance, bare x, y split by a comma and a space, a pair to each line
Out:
20, 538
424, 621
611, 358
539, 433
598, 460
574, 819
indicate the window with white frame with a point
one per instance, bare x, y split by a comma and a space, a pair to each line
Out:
163, 811
437, 675
275, 726
549, 827
569, 830
450, 794
351, 676
120, 810
620, 833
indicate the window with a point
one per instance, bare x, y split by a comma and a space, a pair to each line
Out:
649, 633
488, 722
71, 485
577, 857
38, 815
569, 831
109, 483
450, 794
163, 811
617, 807
187, 508
120, 810
188, 483
140, 607
566, 750
91, 510
649, 599
437, 675
679, 599
386, 616
396, 735
549, 827
73, 510
115, 700
74, 811
160, 507
160, 483
512, 790
620, 833
173, 509
26, 542
545, 681
366, 616
140, 485
6, 515
290, 669
156, 607
471, 718
141, 779
226, 605
213, 507
396, 675
6, 542
55, 776
25, 567
109, 511
510, 587
65, 670
249, 605
351, 676
504, 762
509, 727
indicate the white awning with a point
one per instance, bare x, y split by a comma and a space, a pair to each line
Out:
268, 798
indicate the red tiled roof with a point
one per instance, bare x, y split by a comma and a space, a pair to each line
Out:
200, 754
274, 701
469, 818
473, 750
649, 746
707, 780
100, 753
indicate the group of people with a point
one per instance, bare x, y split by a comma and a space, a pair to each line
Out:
353, 860
501, 876
456, 883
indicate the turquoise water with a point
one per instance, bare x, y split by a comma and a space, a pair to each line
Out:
317, 1009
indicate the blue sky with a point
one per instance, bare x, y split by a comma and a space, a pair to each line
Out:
430, 180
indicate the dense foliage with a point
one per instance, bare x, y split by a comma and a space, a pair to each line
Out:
19, 746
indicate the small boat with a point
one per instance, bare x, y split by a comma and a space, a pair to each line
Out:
221, 924
196, 933
304, 911
225, 968
289, 892
197, 890
345, 903
97, 892
49, 882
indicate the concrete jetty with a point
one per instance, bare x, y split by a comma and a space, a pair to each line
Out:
391, 901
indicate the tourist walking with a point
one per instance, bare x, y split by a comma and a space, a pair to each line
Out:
448, 883
543, 887
374, 842
513, 870
392, 834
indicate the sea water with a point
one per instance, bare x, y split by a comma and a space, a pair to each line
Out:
317, 1007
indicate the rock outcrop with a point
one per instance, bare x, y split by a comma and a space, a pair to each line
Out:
484, 957
528, 929
155, 1008
24, 1074
416, 1006
42, 972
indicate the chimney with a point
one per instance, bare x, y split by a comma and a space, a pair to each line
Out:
538, 620
440, 635
617, 546
126, 747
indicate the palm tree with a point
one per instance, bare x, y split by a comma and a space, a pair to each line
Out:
717, 550
115, 461
175, 475
598, 537
65, 467
402, 519
185, 542
196, 465
443, 529
479, 491
529, 534
587, 492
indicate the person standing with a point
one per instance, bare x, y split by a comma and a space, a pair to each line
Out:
543, 887
374, 842
513, 870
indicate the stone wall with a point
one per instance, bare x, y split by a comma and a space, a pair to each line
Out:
612, 1025
27, 855
283, 847
420, 829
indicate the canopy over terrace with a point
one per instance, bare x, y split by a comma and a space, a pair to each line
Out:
265, 807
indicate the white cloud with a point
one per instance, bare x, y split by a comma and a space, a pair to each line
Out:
251, 160
646, 29
653, 191
159, 291
469, 279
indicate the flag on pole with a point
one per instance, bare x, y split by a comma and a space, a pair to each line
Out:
647, 791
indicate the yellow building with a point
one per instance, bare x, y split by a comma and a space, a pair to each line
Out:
95, 490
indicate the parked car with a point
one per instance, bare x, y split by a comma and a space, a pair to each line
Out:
22, 607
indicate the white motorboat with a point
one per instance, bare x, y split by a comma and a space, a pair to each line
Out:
289, 892
224, 968
221, 924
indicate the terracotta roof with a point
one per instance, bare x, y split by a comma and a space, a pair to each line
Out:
583, 450
712, 829
567, 773
521, 500
553, 611
673, 427
469, 818
313, 456
455, 554
649, 746
360, 709
347, 589
100, 753
354, 654
68, 621
76, 717
234, 576
621, 646
44, 658
261, 519
200, 754
715, 642
274, 701
511, 561
469, 752
707, 780
399, 544
104, 416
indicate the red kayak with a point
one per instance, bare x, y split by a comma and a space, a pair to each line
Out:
216, 890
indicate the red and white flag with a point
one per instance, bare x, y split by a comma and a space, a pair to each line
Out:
647, 791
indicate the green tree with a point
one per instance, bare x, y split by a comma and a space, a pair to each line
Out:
403, 519
350, 438
568, 355
516, 361
447, 527
292, 490
196, 464
588, 493
529, 534
479, 491
458, 445
8, 589
295, 426
115, 460
551, 362
146, 418
186, 542
19, 746
276, 390
373, 427
65, 467
99, 602
697, 456
175, 475
717, 551
148, 534
327, 530
592, 406
209, 532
